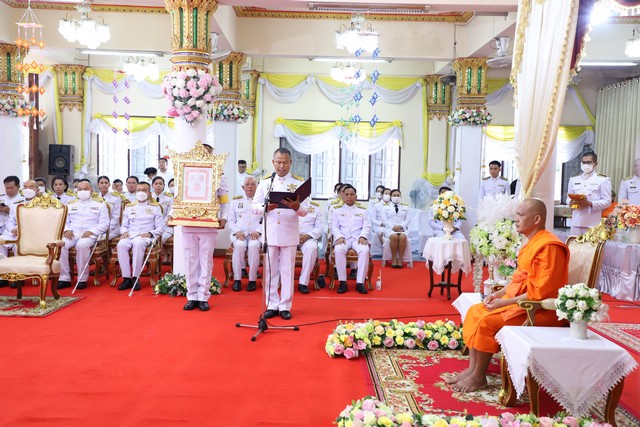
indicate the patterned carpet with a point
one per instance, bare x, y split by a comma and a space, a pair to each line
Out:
414, 380
30, 306
625, 334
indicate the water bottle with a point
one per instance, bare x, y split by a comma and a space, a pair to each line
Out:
379, 282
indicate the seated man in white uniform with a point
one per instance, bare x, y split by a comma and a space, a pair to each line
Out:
395, 222
115, 203
376, 216
165, 200
311, 227
10, 198
87, 220
245, 230
10, 232
630, 187
437, 225
351, 229
141, 223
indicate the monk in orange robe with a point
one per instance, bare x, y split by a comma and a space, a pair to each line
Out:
543, 268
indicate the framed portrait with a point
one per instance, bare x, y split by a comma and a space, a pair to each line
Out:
197, 178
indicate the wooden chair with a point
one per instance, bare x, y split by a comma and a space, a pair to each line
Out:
153, 261
352, 256
38, 244
167, 250
100, 256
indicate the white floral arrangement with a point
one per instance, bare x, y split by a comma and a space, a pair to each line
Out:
500, 241
231, 113
580, 303
190, 92
470, 117
448, 207
11, 106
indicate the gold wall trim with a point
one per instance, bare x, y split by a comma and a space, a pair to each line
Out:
94, 7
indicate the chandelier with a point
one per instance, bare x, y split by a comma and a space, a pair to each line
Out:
351, 74
86, 31
632, 48
29, 36
141, 68
360, 37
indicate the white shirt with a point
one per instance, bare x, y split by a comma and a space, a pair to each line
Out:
493, 186
597, 188
9, 202
87, 215
630, 190
350, 222
242, 218
140, 218
312, 223
167, 176
391, 218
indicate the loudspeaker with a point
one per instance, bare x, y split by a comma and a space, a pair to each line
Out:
61, 159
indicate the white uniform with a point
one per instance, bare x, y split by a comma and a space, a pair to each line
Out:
282, 233
115, 203
64, 198
240, 182
166, 201
8, 201
167, 176
597, 188
243, 220
130, 196
11, 224
395, 214
82, 215
351, 223
492, 186
138, 218
311, 224
630, 190
377, 218
199, 244
437, 228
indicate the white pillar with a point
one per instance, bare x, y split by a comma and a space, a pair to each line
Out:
545, 187
226, 142
11, 146
468, 152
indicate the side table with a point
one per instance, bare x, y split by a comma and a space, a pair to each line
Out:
452, 255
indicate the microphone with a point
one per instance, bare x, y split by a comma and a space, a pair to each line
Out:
266, 197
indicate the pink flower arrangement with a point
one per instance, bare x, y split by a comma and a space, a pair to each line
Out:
350, 353
190, 93
629, 217
433, 345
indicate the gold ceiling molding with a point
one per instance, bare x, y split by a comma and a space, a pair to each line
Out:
257, 12
94, 7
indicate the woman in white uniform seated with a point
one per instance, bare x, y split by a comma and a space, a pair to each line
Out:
395, 220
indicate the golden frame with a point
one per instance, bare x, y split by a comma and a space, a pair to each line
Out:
197, 207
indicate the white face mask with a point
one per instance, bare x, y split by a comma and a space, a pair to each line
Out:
172, 190
29, 193
396, 199
386, 197
42, 190
141, 196
586, 168
378, 195
84, 194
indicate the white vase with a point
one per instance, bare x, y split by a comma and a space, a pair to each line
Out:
448, 230
578, 330
634, 236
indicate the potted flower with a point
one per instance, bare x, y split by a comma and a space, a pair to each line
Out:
176, 285
579, 304
11, 106
448, 207
190, 93
470, 117
231, 113
370, 411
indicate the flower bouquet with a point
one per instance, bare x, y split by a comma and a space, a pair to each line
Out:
349, 339
580, 303
628, 216
369, 411
470, 117
448, 207
190, 92
10, 106
231, 113
176, 285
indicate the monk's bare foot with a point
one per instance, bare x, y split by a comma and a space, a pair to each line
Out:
470, 383
459, 376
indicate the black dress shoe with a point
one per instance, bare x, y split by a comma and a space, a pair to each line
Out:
126, 284
285, 314
270, 313
251, 286
303, 289
137, 287
342, 288
244, 273
353, 273
62, 284
13, 285
360, 288
82, 285
321, 283
4, 283
237, 285
203, 306
190, 305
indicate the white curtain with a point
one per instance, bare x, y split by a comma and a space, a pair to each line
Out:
499, 95
370, 145
287, 95
618, 136
308, 144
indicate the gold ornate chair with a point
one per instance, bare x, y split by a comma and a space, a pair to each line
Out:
38, 243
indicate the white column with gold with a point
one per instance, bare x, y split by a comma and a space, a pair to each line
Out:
438, 108
11, 146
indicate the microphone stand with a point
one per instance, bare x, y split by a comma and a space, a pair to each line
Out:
263, 325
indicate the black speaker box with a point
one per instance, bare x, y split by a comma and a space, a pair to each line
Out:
61, 159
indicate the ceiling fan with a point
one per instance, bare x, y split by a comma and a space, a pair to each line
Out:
217, 56
501, 58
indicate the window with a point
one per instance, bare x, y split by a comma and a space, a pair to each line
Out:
112, 151
339, 164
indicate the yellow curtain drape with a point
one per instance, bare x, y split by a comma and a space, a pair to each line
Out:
507, 133
285, 81
310, 127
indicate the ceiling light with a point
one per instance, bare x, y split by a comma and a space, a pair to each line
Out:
600, 13
349, 74
141, 68
396, 9
360, 37
608, 64
632, 48
116, 52
348, 60
85, 31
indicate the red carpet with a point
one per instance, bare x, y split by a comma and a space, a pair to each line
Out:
115, 360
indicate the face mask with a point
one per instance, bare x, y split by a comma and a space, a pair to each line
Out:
29, 193
386, 197
378, 195
396, 199
141, 196
42, 190
84, 194
172, 190
586, 168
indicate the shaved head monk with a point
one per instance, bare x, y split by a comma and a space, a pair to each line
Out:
542, 269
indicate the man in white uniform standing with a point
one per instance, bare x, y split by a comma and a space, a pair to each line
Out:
282, 234
494, 183
630, 187
87, 220
587, 212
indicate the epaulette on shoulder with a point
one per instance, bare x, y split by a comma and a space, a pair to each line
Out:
624, 179
70, 202
604, 176
98, 199
336, 201
359, 206
20, 192
166, 193
314, 203
237, 197
503, 178
152, 202
132, 204
338, 205
404, 204
70, 192
299, 178
267, 176
486, 178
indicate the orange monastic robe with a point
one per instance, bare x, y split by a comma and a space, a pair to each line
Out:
543, 268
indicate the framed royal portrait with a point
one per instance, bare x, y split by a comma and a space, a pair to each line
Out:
197, 177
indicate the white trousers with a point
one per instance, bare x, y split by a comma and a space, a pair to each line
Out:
198, 257
253, 256
340, 253
576, 231
83, 250
309, 251
167, 234
137, 245
278, 267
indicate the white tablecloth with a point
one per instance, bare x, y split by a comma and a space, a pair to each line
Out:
576, 373
465, 301
442, 252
